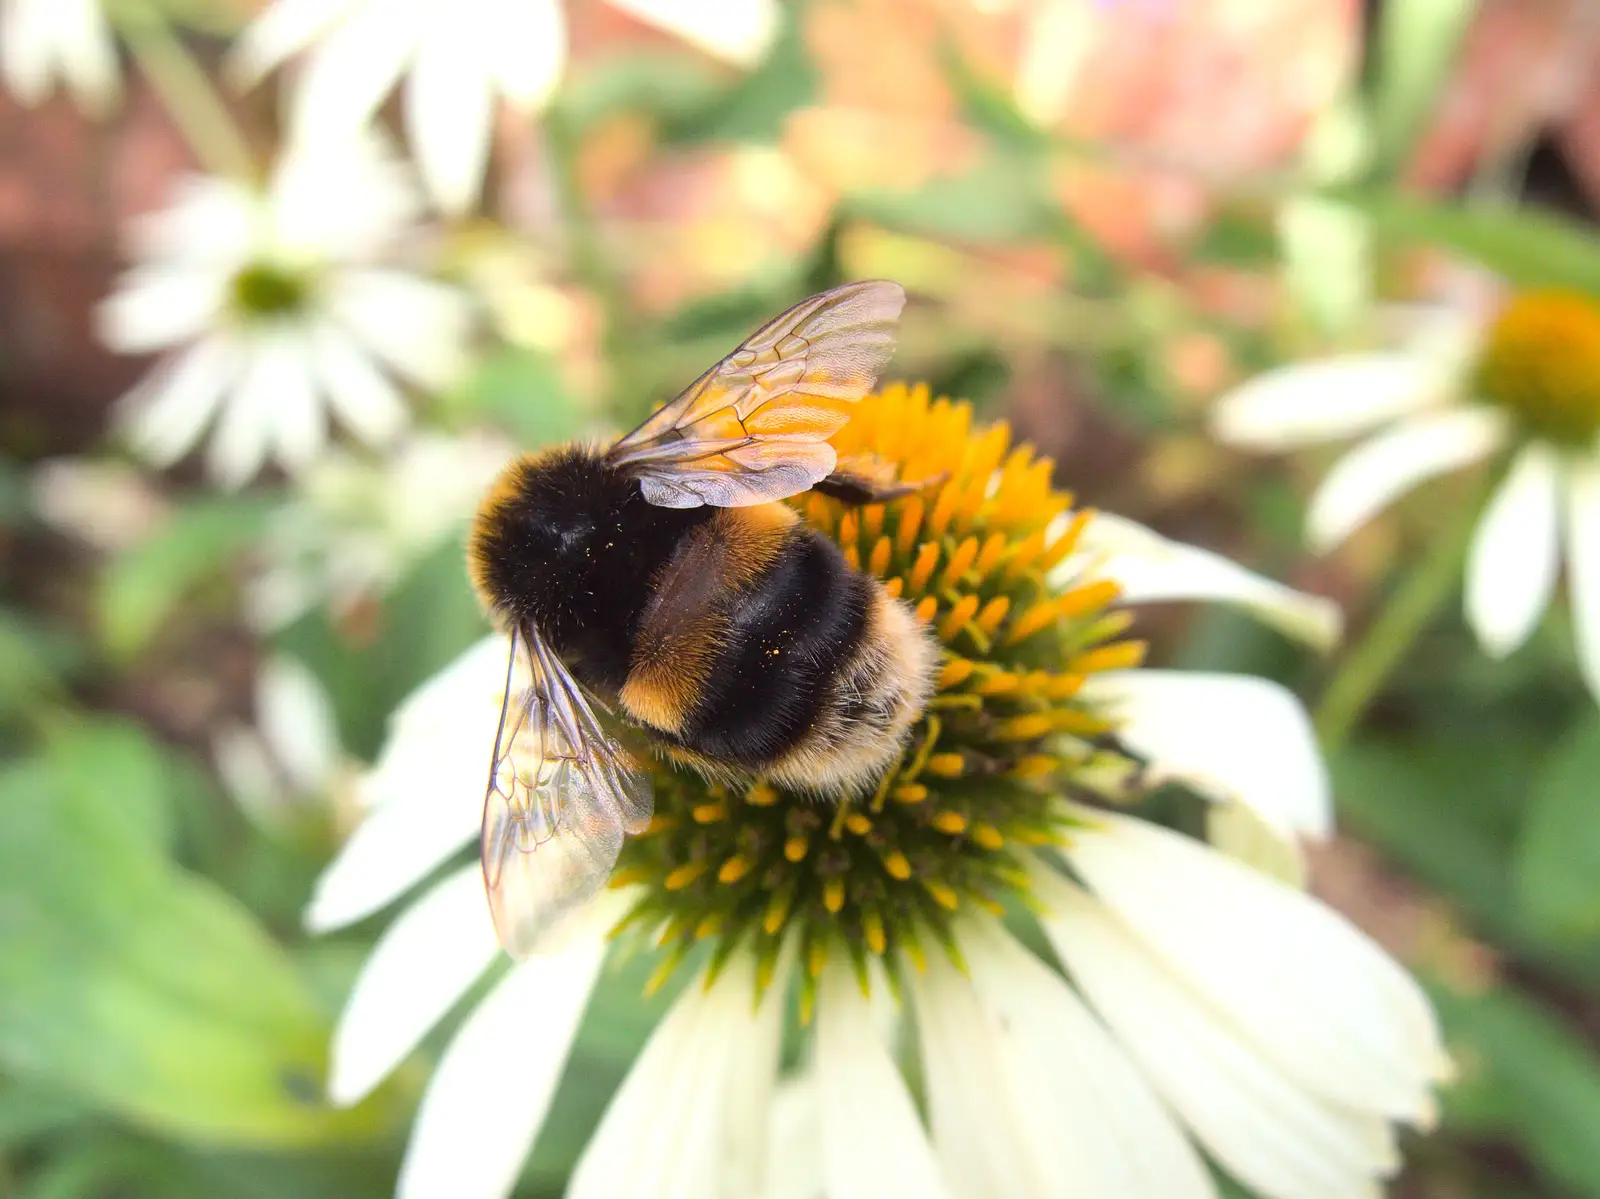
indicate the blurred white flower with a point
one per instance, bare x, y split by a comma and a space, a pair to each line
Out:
70, 40
1212, 1007
291, 757
1523, 385
354, 523
273, 304
461, 56
109, 505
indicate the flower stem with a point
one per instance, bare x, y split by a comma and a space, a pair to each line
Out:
187, 94
1407, 612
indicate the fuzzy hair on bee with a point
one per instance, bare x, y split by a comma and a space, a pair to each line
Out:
663, 579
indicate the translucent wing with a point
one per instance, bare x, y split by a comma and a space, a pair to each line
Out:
562, 792
755, 427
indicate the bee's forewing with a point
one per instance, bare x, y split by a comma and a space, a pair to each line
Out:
755, 427
561, 795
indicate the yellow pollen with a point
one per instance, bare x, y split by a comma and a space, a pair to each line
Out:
680, 878
872, 521
942, 894
1068, 541
943, 509
1025, 728
710, 924
953, 823
987, 836
910, 524
795, 848
872, 931
882, 551
710, 813
777, 912
1121, 655
733, 869
833, 895
960, 562
955, 672
926, 607
897, 864
946, 766
1000, 682
910, 793
858, 824
761, 796
1541, 360
849, 528
993, 613
922, 568
852, 557
1027, 551
956, 619
894, 587
817, 958
1035, 766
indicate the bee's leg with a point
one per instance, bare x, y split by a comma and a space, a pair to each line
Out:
863, 480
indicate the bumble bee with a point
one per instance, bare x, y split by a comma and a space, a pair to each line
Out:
658, 585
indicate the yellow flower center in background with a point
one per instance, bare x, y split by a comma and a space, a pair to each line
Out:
265, 290
1541, 361
984, 771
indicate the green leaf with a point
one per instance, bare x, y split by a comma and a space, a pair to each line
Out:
1558, 855
145, 989
1530, 247
523, 391
37, 660
1417, 43
1546, 1076
141, 587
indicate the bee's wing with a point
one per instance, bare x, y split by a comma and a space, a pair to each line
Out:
562, 792
755, 427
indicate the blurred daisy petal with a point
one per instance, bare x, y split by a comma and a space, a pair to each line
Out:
1583, 555
1151, 569
1266, 1129
355, 66
449, 108
493, 1084
360, 394
1515, 554
872, 1142
1234, 737
1379, 471
297, 721
156, 306
167, 412
419, 968
1309, 402
1317, 997
413, 324
283, 30
740, 31
530, 51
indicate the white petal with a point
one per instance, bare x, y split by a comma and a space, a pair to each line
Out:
300, 425
449, 107
416, 325
1269, 1132
1380, 470
1030, 1096
529, 49
426, 789
341, 198
493, 1085
356, 66
296, 720
1583, 563
1296, 980
1150, 569
418, 970
872, 1143
212, 225
88, 59
283, 30
245, 430
1233, 737
157, 306
739, 31
691, 1118
794, 1170
1321, 401
364, 399
26, 53
1246, 836
165, 415
1512, 566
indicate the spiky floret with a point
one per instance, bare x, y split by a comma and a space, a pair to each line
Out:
977, 555
1541, 362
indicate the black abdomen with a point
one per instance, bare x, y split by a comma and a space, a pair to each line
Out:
788, 634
